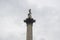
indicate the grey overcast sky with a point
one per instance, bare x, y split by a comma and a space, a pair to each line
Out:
45, 12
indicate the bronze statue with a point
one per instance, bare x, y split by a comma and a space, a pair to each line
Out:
29, 15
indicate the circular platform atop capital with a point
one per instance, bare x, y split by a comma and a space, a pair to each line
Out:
29, 20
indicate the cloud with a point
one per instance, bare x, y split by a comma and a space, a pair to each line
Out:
10, 30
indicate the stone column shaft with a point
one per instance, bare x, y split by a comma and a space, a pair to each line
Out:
29, 32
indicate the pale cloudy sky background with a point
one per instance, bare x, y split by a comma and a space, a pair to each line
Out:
46, 13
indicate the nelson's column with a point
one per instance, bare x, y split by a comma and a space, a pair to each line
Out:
29, 21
